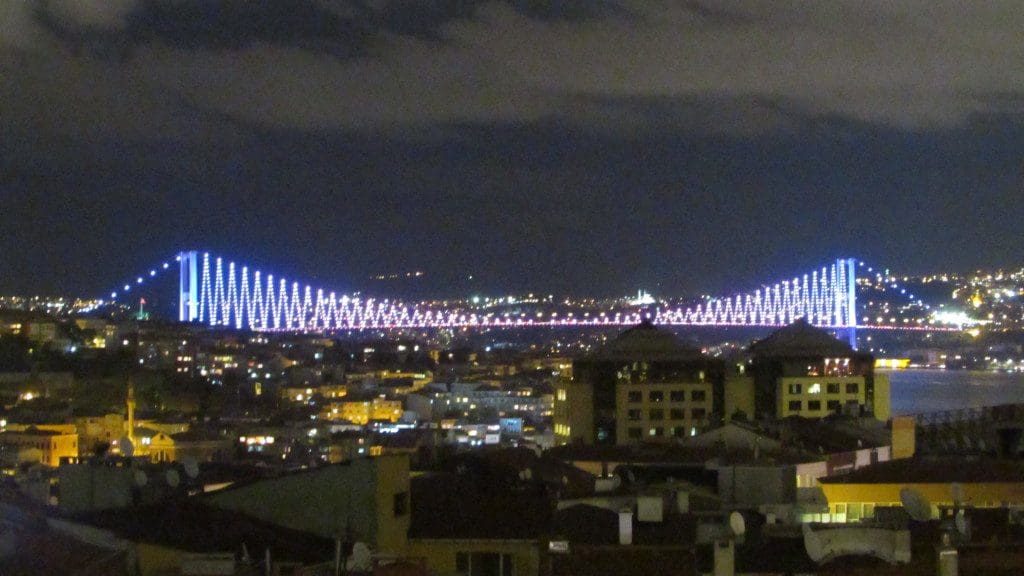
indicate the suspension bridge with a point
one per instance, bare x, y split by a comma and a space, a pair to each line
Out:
217, 292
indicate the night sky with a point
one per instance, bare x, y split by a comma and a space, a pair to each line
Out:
577, 147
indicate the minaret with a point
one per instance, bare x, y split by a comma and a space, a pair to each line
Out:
130, 404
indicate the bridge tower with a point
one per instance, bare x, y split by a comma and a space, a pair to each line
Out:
188, 295
847, 276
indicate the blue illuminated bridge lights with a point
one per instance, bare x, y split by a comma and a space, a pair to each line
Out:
887, 284
139, 281
217, 292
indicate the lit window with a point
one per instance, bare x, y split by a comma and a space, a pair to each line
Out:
814, 388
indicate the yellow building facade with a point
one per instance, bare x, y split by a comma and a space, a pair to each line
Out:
853, 502
802, 370
645, 385
656, 412
47, 447
819, 396
362, 412
568, 419
977, 483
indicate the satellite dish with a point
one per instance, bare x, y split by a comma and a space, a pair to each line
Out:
173, 478
916, 505
361, 560
737, 524
140, 478
127, 448
958, 493
191, 467
813, 544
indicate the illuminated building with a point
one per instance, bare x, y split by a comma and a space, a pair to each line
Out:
644, 385
366, 499
47, 447
801, 370
981, 483
362, 412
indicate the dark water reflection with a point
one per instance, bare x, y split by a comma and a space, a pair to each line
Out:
915, 391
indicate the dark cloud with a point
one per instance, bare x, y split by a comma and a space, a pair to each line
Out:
578, 146
348, 64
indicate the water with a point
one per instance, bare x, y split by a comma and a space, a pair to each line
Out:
915, 391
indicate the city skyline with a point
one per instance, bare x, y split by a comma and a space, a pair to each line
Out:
454, 141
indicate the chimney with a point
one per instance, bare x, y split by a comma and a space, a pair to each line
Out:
903, 437
626, 526
948, 564
725, 558
683, 502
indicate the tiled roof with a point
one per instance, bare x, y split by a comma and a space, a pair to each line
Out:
800, 339
646, 341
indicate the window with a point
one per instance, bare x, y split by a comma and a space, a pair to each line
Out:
814, 405
699, 413
484, 564
679, 431
833, 388
656, 414
852, 388
657, 431
795, 405
698, 396
634, 415
833, 405
795, 388
853, 512
814, 388
561, 395
634, 433
677, 396
656, 396
635, 396
677, 414
401, 504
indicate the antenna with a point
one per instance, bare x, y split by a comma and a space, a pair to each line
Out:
957, 490
916, 505
140, 478
191, 467
737, 524
173, 478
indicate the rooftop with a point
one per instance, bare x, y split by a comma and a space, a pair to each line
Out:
800, 339
941, 470
446, 505
191, 526
645, 341
33, 431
